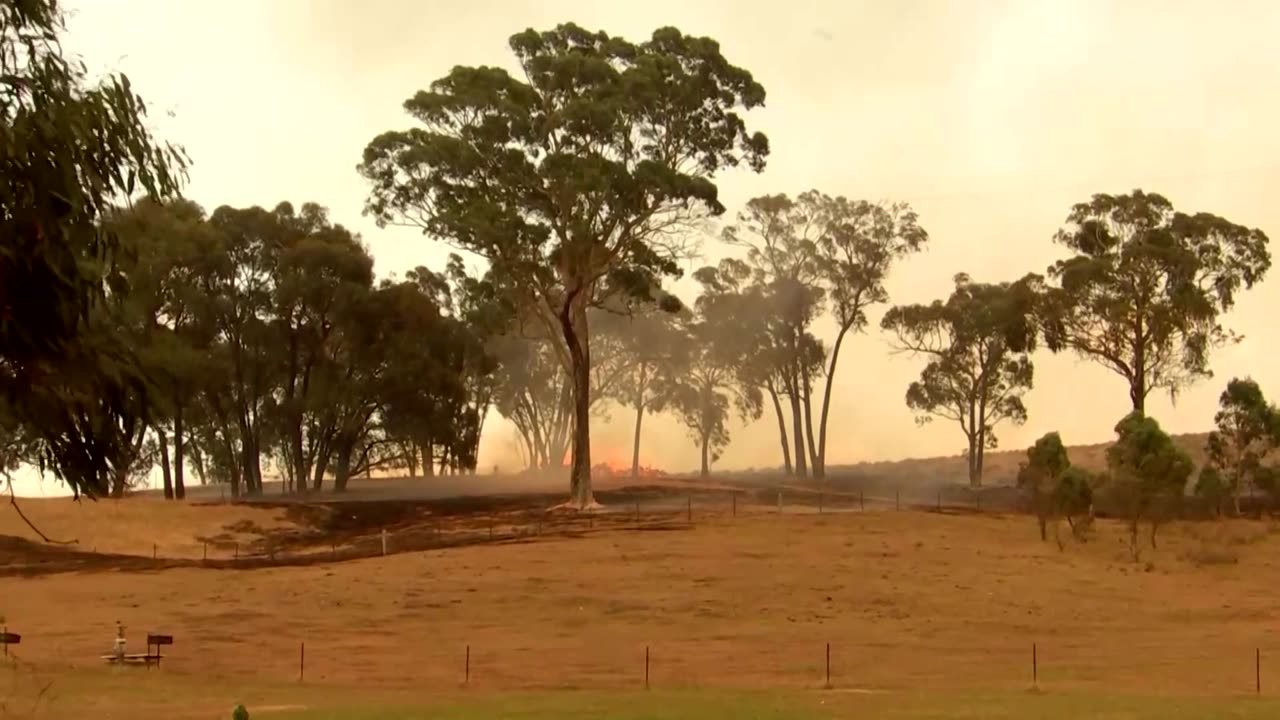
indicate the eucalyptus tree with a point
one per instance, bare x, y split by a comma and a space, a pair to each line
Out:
72, 149
1145, 286
977, 344
573, 180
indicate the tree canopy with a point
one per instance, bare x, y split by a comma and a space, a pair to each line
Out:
1145, 286
72, 150
977, 344
575, 180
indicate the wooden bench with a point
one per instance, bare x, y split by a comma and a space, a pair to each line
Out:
148, 658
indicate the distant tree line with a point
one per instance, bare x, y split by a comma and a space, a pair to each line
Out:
144, 332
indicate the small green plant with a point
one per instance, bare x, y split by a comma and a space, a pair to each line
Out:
240, 713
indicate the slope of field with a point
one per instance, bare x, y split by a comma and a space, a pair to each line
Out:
999, 467
908, 600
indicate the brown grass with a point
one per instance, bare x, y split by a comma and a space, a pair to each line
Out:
907, 600
133, 525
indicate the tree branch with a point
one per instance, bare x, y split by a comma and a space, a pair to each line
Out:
13, 500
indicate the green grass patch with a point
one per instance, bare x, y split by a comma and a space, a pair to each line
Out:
722, 705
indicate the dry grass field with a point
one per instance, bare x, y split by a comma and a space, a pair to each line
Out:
923, 610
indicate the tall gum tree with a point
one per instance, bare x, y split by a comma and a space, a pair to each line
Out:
575, 179
813, 254
977, 343
1142, 293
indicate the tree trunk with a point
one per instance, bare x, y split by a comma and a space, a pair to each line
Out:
119, 479
820, 463
976, 481
179, 454
197, 461
1138, 383
411, 458
322, 467
635, 445
164, 463
342, 469
806, 401
782, 430
706, 458
428, 459
573, 325
797, 429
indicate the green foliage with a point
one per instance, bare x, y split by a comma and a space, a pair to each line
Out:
978, 343
71, 149
805, 256
1246, 428
1148, 471
240, 713
1145, 286
1057, 488
1073, 495
1213, 488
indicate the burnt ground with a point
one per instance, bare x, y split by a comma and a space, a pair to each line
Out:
329, 528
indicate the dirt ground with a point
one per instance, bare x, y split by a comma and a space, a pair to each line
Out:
906, 600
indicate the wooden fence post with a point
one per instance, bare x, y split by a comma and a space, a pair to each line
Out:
646, 667
466, 677
1035, 666
828, 685
302, 661
384, 541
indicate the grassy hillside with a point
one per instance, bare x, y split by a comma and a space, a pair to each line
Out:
1001, 467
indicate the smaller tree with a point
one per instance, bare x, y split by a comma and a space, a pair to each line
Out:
705, 389
1148, 471
1073, 498
1212, 488
1246, 428
1046, 463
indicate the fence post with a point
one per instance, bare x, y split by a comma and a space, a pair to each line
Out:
384, 541
820, 498
735, 503
1035, 667
1257, 670
646, 667
828, 685
302, 661
779, 502
690, 514
466, 676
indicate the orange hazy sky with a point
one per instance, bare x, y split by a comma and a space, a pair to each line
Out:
990, 117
